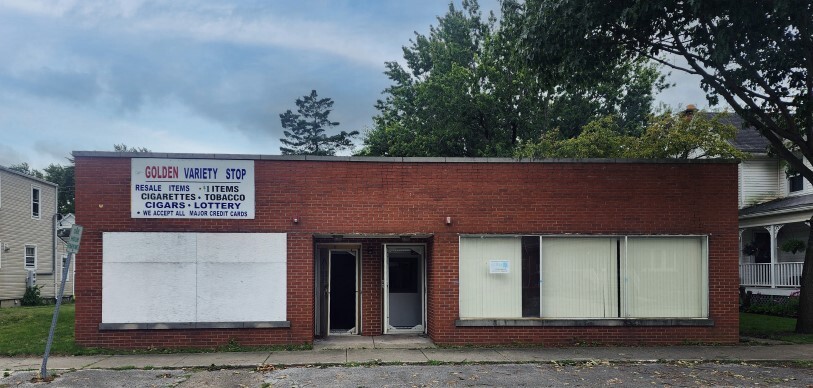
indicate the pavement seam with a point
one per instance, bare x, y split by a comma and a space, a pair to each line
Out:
96, 362
501, 354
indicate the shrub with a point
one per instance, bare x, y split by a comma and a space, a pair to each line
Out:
778, 306
32, 297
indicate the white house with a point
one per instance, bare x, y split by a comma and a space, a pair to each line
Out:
774, 210
29, 245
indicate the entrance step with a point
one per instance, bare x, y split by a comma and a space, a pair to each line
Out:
393, 341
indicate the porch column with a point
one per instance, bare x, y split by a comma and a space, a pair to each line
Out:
774, 232
740, 255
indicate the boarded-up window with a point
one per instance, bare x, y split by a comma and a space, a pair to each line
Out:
194, 277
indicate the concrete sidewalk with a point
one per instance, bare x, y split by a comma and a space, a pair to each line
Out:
408, 356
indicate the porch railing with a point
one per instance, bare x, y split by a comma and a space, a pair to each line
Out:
785, 274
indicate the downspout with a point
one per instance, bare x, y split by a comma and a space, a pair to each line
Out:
53, 237
53, 243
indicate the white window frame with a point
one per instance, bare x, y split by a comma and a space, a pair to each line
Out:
38, 202
25, 256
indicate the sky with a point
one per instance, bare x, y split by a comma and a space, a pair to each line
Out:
200, 76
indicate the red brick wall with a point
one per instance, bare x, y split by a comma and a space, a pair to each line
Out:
491, 198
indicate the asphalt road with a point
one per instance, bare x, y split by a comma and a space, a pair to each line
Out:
461, 375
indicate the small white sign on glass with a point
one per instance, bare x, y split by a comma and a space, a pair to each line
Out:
499, 266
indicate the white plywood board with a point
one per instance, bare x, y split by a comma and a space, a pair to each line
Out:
247, 292
125, 247
160, 277
242, 247
148, 292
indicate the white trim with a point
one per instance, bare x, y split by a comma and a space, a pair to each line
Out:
25, 256
62, 268
385, 290
39, 202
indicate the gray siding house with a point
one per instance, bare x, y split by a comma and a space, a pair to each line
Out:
28, 242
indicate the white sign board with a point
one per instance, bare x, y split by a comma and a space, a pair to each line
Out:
499, 266
74, 239
192, 188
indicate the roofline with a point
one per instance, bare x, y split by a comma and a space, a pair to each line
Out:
24, 175
794, 209
385, 159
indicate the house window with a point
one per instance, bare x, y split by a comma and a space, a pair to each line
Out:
30, 257
795, 183
585, 277
65, 264
35, 202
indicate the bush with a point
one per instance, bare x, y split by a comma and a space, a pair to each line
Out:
778, 306
32, 297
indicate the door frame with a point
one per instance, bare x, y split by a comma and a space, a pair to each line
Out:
356, 252
385, 290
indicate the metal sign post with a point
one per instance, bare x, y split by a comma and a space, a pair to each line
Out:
73, 248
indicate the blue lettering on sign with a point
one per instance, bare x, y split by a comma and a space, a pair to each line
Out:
236, 173
200, 173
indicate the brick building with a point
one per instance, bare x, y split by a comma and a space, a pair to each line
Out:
197, 250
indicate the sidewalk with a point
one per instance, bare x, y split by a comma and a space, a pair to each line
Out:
411, 356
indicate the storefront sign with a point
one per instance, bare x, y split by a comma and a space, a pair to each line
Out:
192, 188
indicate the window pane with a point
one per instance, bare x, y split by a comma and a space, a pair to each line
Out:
35, 202
490, 295
530, 276
29, 251
796, 183
665, 278
579, 278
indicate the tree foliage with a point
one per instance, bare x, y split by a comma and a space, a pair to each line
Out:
465, 92
64, 177
305, 130
26, 169
124, 148
668, 136
756, 55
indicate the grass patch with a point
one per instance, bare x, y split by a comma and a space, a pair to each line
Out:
24, 331
772, 327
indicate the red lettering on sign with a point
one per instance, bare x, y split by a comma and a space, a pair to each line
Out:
166, 172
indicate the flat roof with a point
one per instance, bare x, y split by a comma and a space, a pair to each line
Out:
387, 159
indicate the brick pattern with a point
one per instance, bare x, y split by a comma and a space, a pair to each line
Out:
488, 198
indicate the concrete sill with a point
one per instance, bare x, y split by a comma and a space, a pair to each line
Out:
194, 325
622, 322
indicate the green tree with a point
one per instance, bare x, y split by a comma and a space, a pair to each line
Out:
305, 130
26, 169
124, 148
756, 55
466, 92
64, 177
668, 136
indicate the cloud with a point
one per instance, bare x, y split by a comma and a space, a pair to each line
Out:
10, 155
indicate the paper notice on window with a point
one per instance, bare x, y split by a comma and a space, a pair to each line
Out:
499, 266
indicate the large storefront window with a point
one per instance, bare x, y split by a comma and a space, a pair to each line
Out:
583, 277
